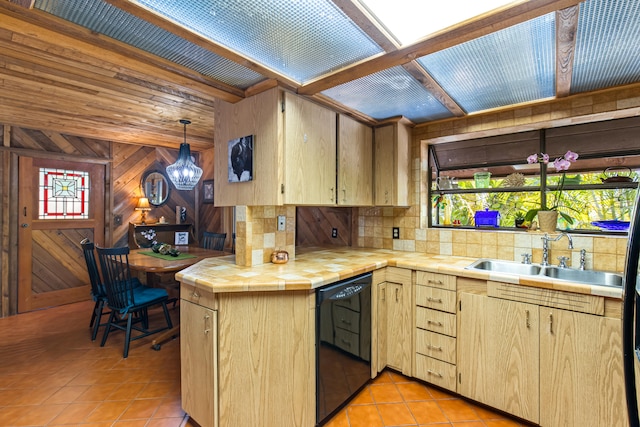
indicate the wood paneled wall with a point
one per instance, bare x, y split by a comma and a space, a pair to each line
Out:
127, 164
314, 226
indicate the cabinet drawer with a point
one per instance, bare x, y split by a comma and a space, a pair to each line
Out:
436, 321
436, 372
352, 303
198, 296
438, 299
441, 347
437, 280
346, 319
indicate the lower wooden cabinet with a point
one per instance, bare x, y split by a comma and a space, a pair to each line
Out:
551, 366
199, 362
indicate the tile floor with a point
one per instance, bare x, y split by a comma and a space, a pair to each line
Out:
52, 374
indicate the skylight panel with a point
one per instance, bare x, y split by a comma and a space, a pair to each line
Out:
410, 20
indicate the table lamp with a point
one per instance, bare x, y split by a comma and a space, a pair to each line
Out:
143, 206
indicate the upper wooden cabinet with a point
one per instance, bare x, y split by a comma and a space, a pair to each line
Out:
355, 163
391, 164
299, 155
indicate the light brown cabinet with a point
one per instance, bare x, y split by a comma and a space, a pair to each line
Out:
355, 163
199, 362
393, 321
392, 171
532, 359
303, 154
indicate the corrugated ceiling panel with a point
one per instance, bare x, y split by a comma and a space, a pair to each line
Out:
607, 45
507, 67
113, 22
299, 39
387, 94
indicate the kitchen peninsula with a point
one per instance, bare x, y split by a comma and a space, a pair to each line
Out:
248, 335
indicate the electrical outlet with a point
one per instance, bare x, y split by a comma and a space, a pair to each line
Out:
334, 232
396, 232
282, 223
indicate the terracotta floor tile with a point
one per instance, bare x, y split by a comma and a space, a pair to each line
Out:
502, 423
396, 414
169, 408
458, 410
427, 412
413, 391
159, 389
67, 394
437, 393
141, 408
364, 416
126, 391
165, 422
469, 424
131, 423
110, 410
339, 420
38, 415
75, 413
364, 397
385, 393
97, 392
383, 377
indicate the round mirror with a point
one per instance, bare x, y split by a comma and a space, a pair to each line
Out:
155, 186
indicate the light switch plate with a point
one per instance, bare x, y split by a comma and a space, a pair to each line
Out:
282, 223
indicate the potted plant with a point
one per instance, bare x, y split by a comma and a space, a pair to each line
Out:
548, 222
519, 218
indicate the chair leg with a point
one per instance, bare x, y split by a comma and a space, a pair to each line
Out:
108, 328
93, 315
127, 336
97, 316
167, 316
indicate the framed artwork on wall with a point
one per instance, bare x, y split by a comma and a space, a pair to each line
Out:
240, 159
207, 191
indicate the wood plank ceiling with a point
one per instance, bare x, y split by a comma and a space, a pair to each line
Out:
58, 76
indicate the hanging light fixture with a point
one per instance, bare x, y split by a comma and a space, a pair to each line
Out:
184, 173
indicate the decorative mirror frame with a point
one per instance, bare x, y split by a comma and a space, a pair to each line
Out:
148, 187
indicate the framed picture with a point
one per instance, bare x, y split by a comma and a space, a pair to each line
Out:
182, 238
207, 191
240, 159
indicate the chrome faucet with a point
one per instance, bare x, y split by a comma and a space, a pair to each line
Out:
545, 246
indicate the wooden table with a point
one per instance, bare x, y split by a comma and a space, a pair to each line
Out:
153, 266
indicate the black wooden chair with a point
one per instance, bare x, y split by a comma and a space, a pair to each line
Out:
213, 241
98, 291
127, 297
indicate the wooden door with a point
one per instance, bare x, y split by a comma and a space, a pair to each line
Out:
355, 163
51, 267
498, 360
198, 352
581, 375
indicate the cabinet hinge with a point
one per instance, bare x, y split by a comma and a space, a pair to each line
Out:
281, 188
282, 106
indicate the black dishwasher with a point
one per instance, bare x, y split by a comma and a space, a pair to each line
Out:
343, 343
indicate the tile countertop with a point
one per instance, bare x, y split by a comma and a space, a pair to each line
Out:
316, 267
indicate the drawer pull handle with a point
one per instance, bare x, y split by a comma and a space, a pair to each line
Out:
432, 347
346, 322
436, 374
345, 342
195, 294
431, 322
528, 323
551, 323
436, 282
438, 300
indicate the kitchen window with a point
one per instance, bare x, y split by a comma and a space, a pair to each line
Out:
598, 190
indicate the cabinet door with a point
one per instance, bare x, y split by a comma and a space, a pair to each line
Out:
309, 153
581, 374
498, 344
391, 165
391, 329
355, 163
199, 370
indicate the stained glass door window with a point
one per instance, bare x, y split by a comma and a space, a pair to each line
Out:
63, 194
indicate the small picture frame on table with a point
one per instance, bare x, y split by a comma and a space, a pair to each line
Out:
182, 238
207, 191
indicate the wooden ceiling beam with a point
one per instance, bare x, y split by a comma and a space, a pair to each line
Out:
566, 29
471, 29
425, 79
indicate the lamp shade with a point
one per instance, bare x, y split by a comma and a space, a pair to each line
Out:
184, 173
143, 204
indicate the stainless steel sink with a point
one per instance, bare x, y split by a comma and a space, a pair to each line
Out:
589, 277
506, 267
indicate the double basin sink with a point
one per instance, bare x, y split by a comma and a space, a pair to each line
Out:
588, 277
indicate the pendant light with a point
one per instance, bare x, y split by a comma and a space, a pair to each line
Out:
184, 173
